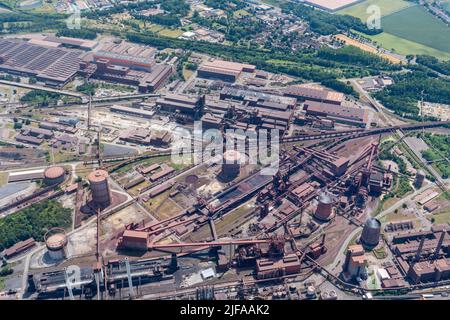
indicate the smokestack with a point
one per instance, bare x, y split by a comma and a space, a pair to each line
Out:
419, 250
439, 245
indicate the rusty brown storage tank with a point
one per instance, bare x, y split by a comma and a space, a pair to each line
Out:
324, 211
231, 165
371, 233
54, 175
98, 181
56, 241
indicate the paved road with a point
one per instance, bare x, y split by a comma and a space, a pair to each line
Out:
44, 88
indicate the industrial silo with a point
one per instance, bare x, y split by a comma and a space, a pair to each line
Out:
98, 181
56, 241
371, 233
54, 175
324, 210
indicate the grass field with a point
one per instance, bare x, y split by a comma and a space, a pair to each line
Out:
367, 48
171, 33
417, 25
8, 3
3, 178
408, 28
386, 7
240, 13
443, 218
446, 5
405, 47
275, 3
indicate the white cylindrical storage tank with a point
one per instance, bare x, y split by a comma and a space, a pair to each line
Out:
310, 291
56, 241
231, 165
98, 181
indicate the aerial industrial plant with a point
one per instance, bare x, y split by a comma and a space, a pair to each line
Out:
181, 163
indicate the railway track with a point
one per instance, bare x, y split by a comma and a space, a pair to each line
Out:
352, 134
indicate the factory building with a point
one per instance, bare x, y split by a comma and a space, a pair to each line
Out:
29, 175
132, 239
126, 54
135, 112
59, 42
355, 262
257, 99
267, 111
339, 166
313, 94
53, 66
190, 105
160, 189
18, 248
29, 139
137, 136
164, 172
37, 132
423, 255
98, 181
268, 268
217, 107
211, 121
430, 271
146, 81
376, 180
407, 245
371, 233
53, 126
346, 115
146, 137
223, 70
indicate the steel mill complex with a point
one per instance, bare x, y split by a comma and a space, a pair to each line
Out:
223, 150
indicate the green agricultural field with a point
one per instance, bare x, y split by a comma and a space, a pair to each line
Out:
8, 3
171, 33
446, 5
417, 25
275, 3
387, 7
405, 47
241, 13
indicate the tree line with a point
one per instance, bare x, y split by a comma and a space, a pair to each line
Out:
33, 221
325, 23
402, 97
